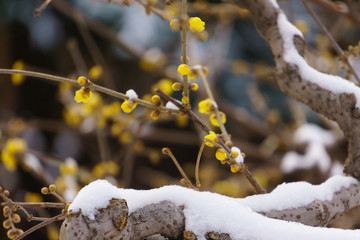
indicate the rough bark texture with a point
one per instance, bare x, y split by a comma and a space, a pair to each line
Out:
165, 219
114, 222
337, 107
320, 213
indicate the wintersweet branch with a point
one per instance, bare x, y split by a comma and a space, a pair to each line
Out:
98, 88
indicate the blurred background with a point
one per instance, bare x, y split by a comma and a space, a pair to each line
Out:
129, 45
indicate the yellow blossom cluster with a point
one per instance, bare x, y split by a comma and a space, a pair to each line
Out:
206, 107
13, 147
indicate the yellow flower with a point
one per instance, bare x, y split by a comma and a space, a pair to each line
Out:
220, 154
234, 168
52, 233
177, 86
33, 197
111, 167
82, 80
125, 138
182, 121
193, 87
83, 95
196, 25
211, 136
164, 85
9, 161
185, 100
302, 26
15, 145
17, 79
69, 167
193, 75
205, 106
156, 99
111, 110
175, 24
128, 106
155, 115
71, 117
234, 154
92, 105
95, 72
183, 69
116, 129
214, 121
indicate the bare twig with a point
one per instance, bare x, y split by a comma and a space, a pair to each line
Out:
197, 166
38, 11
335, 45
40, 225
167, 151
93, 86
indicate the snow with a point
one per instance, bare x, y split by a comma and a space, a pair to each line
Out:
71, 188
239, 158
316, 139
171, 105
33, 162
334, 84
131, 94
309, 133
297, 194
274, 3
205, 211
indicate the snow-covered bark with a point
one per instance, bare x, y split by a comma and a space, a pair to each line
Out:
331, 96
102, 211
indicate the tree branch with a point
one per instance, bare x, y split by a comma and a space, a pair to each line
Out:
331, 96
165, 217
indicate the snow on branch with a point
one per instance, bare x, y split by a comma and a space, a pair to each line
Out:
101, 210
332, 96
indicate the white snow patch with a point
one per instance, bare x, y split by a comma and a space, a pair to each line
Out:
239, 158
33, 163
337, 169
71, 188
334, 84
171, 105
205, 211
316, 139
297, 194
131, 94
274, 3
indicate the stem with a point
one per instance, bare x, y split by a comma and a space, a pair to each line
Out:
205, 128
185, 110
93, 86
332, 40
156, 11
211, 96
39, 10
198, 164
61, 199
184, 19
40, 225
183, 174
252, 181
42, 204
